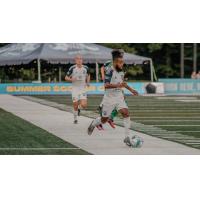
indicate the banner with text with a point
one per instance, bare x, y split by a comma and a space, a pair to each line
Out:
181, 86
56, 88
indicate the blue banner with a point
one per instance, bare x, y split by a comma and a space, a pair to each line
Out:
181, 86
56, 88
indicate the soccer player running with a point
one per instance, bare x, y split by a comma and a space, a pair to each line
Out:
114, 113
114, 96
79, 75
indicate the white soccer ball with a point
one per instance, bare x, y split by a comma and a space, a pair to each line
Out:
136, 141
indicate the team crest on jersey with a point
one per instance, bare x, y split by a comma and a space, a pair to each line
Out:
104, 112
122, 76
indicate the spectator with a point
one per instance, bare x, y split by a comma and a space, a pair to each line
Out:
193, 75
198, 75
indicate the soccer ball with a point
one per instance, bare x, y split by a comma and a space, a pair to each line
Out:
136, 141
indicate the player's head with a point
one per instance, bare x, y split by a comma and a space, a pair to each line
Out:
78, 60
118, 60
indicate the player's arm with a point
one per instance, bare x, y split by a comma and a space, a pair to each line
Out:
134, 92
88, 76
109, 85
88, 80
103, 73
68, 77
107, 81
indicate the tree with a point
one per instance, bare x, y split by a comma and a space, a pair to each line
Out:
165, 56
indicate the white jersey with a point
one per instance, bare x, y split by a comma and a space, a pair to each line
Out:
114, 77
113, 97
80, 74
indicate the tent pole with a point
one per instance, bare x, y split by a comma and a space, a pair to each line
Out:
59, 73
194, 57
39, 70
182, 60
151, 70
97, 72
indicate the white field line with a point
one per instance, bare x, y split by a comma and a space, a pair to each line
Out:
73, 148
156, 103
176, 125
165, 105
193, 143
188, 101
168, 117
171, 111
190, 140
168, 98
166, 120
189, 131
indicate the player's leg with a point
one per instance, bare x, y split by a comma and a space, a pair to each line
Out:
100, 126
95, 123
125, 114
106, 111
114, 114
75, 100
100, 108
111, 118
127, 125
82, 102
122, 108
75, 106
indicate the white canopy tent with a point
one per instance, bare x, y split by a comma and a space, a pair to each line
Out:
63, 53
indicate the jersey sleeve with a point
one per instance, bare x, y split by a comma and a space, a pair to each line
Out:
87, 69
108, 75
70, 71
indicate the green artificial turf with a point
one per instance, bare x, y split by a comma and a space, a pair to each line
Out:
18, 136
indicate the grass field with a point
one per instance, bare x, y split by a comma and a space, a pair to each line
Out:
170, 117
18, 136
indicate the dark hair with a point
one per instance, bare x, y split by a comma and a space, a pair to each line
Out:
117, 53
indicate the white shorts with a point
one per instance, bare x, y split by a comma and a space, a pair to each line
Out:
111, 103
79, 94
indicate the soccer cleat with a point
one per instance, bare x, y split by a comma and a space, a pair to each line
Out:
127, 141
76, 121
100, 127
91, 129
79, 112
110, 121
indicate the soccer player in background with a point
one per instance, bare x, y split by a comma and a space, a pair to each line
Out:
79, 76
114, 96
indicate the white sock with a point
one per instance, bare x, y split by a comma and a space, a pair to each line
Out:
97, 121
127, 125
75, 115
